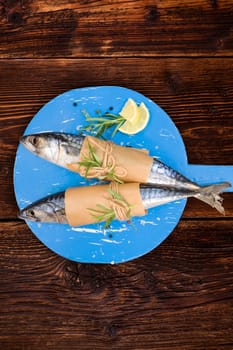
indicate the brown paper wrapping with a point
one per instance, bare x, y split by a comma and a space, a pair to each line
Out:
78, 201
131, 164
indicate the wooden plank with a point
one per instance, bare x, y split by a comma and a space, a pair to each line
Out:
177, 297
115, 28
197, 94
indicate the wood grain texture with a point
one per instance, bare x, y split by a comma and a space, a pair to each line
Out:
180, 296
62, 28
197, 94
180, 54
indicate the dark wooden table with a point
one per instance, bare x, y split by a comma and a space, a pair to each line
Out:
179, 54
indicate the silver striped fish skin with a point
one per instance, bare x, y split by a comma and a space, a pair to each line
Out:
155, 196
63, 149
163, 175
52, 208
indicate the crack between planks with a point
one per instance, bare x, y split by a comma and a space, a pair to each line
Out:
115, 57
207, 218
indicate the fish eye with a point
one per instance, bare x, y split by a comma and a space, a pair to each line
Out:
31, 212
34, 140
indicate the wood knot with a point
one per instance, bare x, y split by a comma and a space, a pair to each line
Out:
12, 12
15, 18
112, 329
174, 82
71, 275
214, 3
152, 14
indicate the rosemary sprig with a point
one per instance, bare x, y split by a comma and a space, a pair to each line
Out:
92, 161
103, 122
121, 200
102, 213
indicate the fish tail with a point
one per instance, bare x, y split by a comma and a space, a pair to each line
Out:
210, 195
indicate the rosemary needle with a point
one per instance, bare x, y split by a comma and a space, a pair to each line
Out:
93, 161
100, 124
102, 213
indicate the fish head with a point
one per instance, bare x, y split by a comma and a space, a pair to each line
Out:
44, 145
58, 148
43, 211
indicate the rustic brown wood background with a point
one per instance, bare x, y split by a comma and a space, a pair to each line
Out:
180, 54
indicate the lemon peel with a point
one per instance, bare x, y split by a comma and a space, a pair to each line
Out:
129, 110
135, 122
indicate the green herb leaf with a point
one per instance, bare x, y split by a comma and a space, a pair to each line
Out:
102, 213
92, 161
102, 123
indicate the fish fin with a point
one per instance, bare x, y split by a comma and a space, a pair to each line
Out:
210, 195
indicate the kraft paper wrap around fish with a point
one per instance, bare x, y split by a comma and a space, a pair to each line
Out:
128, 164
79, 201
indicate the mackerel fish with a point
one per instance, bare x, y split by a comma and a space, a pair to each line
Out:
52, 208
63, 148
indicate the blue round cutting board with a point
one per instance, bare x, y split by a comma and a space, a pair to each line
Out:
35, 178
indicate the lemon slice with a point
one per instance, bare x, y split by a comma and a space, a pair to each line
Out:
138, 123
129, 110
